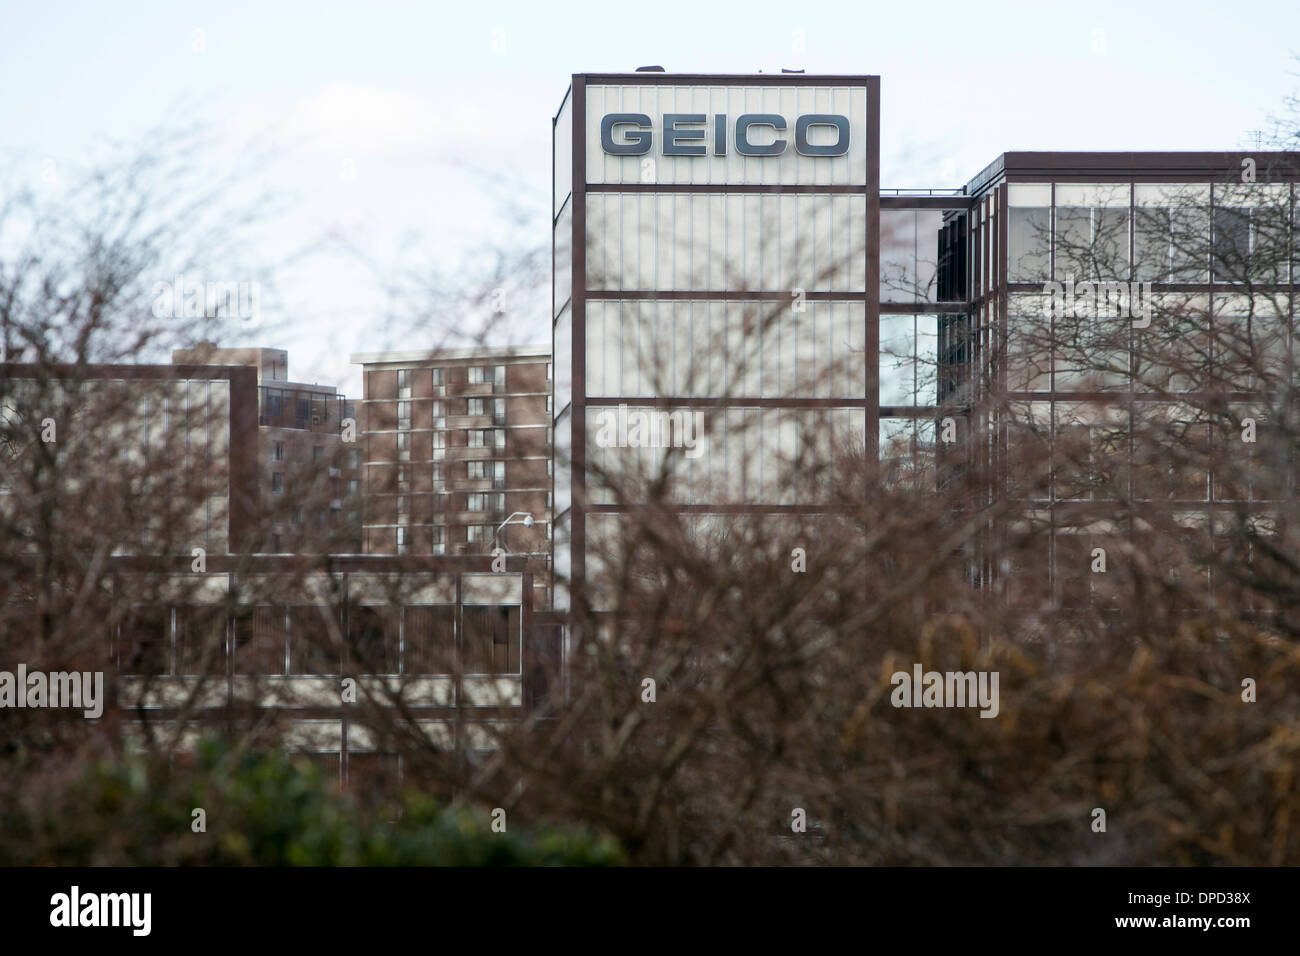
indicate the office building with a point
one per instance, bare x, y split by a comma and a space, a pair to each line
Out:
727, 267
715, 272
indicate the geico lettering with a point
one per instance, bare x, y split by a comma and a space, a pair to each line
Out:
686, 134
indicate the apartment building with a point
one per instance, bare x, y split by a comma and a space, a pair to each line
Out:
456, 447
309, 479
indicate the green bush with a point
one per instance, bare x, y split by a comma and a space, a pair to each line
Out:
261, 809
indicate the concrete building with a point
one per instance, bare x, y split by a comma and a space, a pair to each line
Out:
309, 479
455, 443
154, 458
444, 635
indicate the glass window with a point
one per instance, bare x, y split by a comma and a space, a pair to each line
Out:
200, 640
1092, 232
908, 359
1232, 242
429, 641
1170, 229
486, 502
311, 650
909, 254
146, 640
403, 383
479, 533
1029, 232
373, 632
260, 636
1251, 227
491, 640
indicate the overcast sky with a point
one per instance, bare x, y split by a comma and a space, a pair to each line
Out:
392, 118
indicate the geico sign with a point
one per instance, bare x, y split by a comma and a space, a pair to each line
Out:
685, 134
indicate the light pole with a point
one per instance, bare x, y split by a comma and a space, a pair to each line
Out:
527, 523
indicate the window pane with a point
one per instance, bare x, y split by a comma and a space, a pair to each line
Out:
491, 640
200, 640
260, 636
373, 637
146, 641
429, 639
1028, 244
311, 648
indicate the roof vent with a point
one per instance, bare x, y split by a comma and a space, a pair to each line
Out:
650, 69
784, 70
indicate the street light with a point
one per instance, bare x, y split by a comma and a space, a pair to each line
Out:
527, 523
